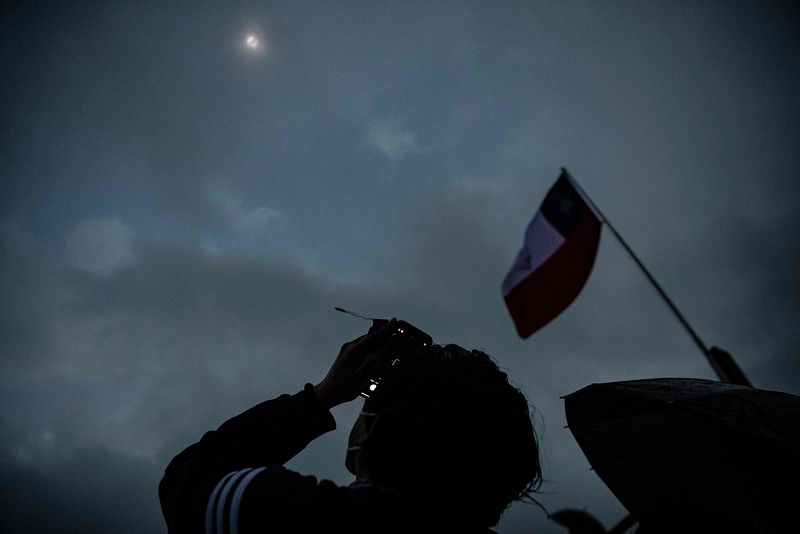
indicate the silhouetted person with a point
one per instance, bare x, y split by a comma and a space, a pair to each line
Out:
445, 444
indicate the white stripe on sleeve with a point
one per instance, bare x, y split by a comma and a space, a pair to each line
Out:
212, 502
224, 497
237, 499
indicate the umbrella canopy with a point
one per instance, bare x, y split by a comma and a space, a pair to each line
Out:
689, 449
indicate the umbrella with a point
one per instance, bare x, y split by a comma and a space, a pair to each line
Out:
687, 450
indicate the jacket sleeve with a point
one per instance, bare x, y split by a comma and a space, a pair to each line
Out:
203, 488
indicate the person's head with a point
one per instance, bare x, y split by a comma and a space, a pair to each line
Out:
449, 429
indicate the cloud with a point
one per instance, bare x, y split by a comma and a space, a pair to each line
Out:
131, 352
257, 220
224, 198
31, 292
247, 223
392, 141
99, 246
91, 491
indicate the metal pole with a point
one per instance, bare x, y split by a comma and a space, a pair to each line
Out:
725, 368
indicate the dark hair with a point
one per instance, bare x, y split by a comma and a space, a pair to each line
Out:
454, 433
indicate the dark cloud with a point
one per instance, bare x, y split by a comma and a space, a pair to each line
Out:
29, 290
93, 491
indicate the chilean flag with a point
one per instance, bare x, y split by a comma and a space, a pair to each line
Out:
555, 260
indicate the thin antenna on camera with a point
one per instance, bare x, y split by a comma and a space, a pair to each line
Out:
337, 308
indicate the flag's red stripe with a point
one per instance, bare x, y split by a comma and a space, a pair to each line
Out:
537, 299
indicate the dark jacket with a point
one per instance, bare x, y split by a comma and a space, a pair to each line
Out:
232, 480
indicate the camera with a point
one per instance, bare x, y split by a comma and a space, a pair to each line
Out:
405, 342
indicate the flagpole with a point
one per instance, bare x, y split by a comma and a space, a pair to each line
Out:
722, 362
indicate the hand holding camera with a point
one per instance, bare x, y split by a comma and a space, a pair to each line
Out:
365, 361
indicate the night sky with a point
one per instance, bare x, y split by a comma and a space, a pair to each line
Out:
180, 213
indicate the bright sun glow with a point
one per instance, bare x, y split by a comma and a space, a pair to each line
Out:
252, 42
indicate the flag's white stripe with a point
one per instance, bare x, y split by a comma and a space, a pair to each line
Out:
541, 242
237, 499
224, 497
212, 502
